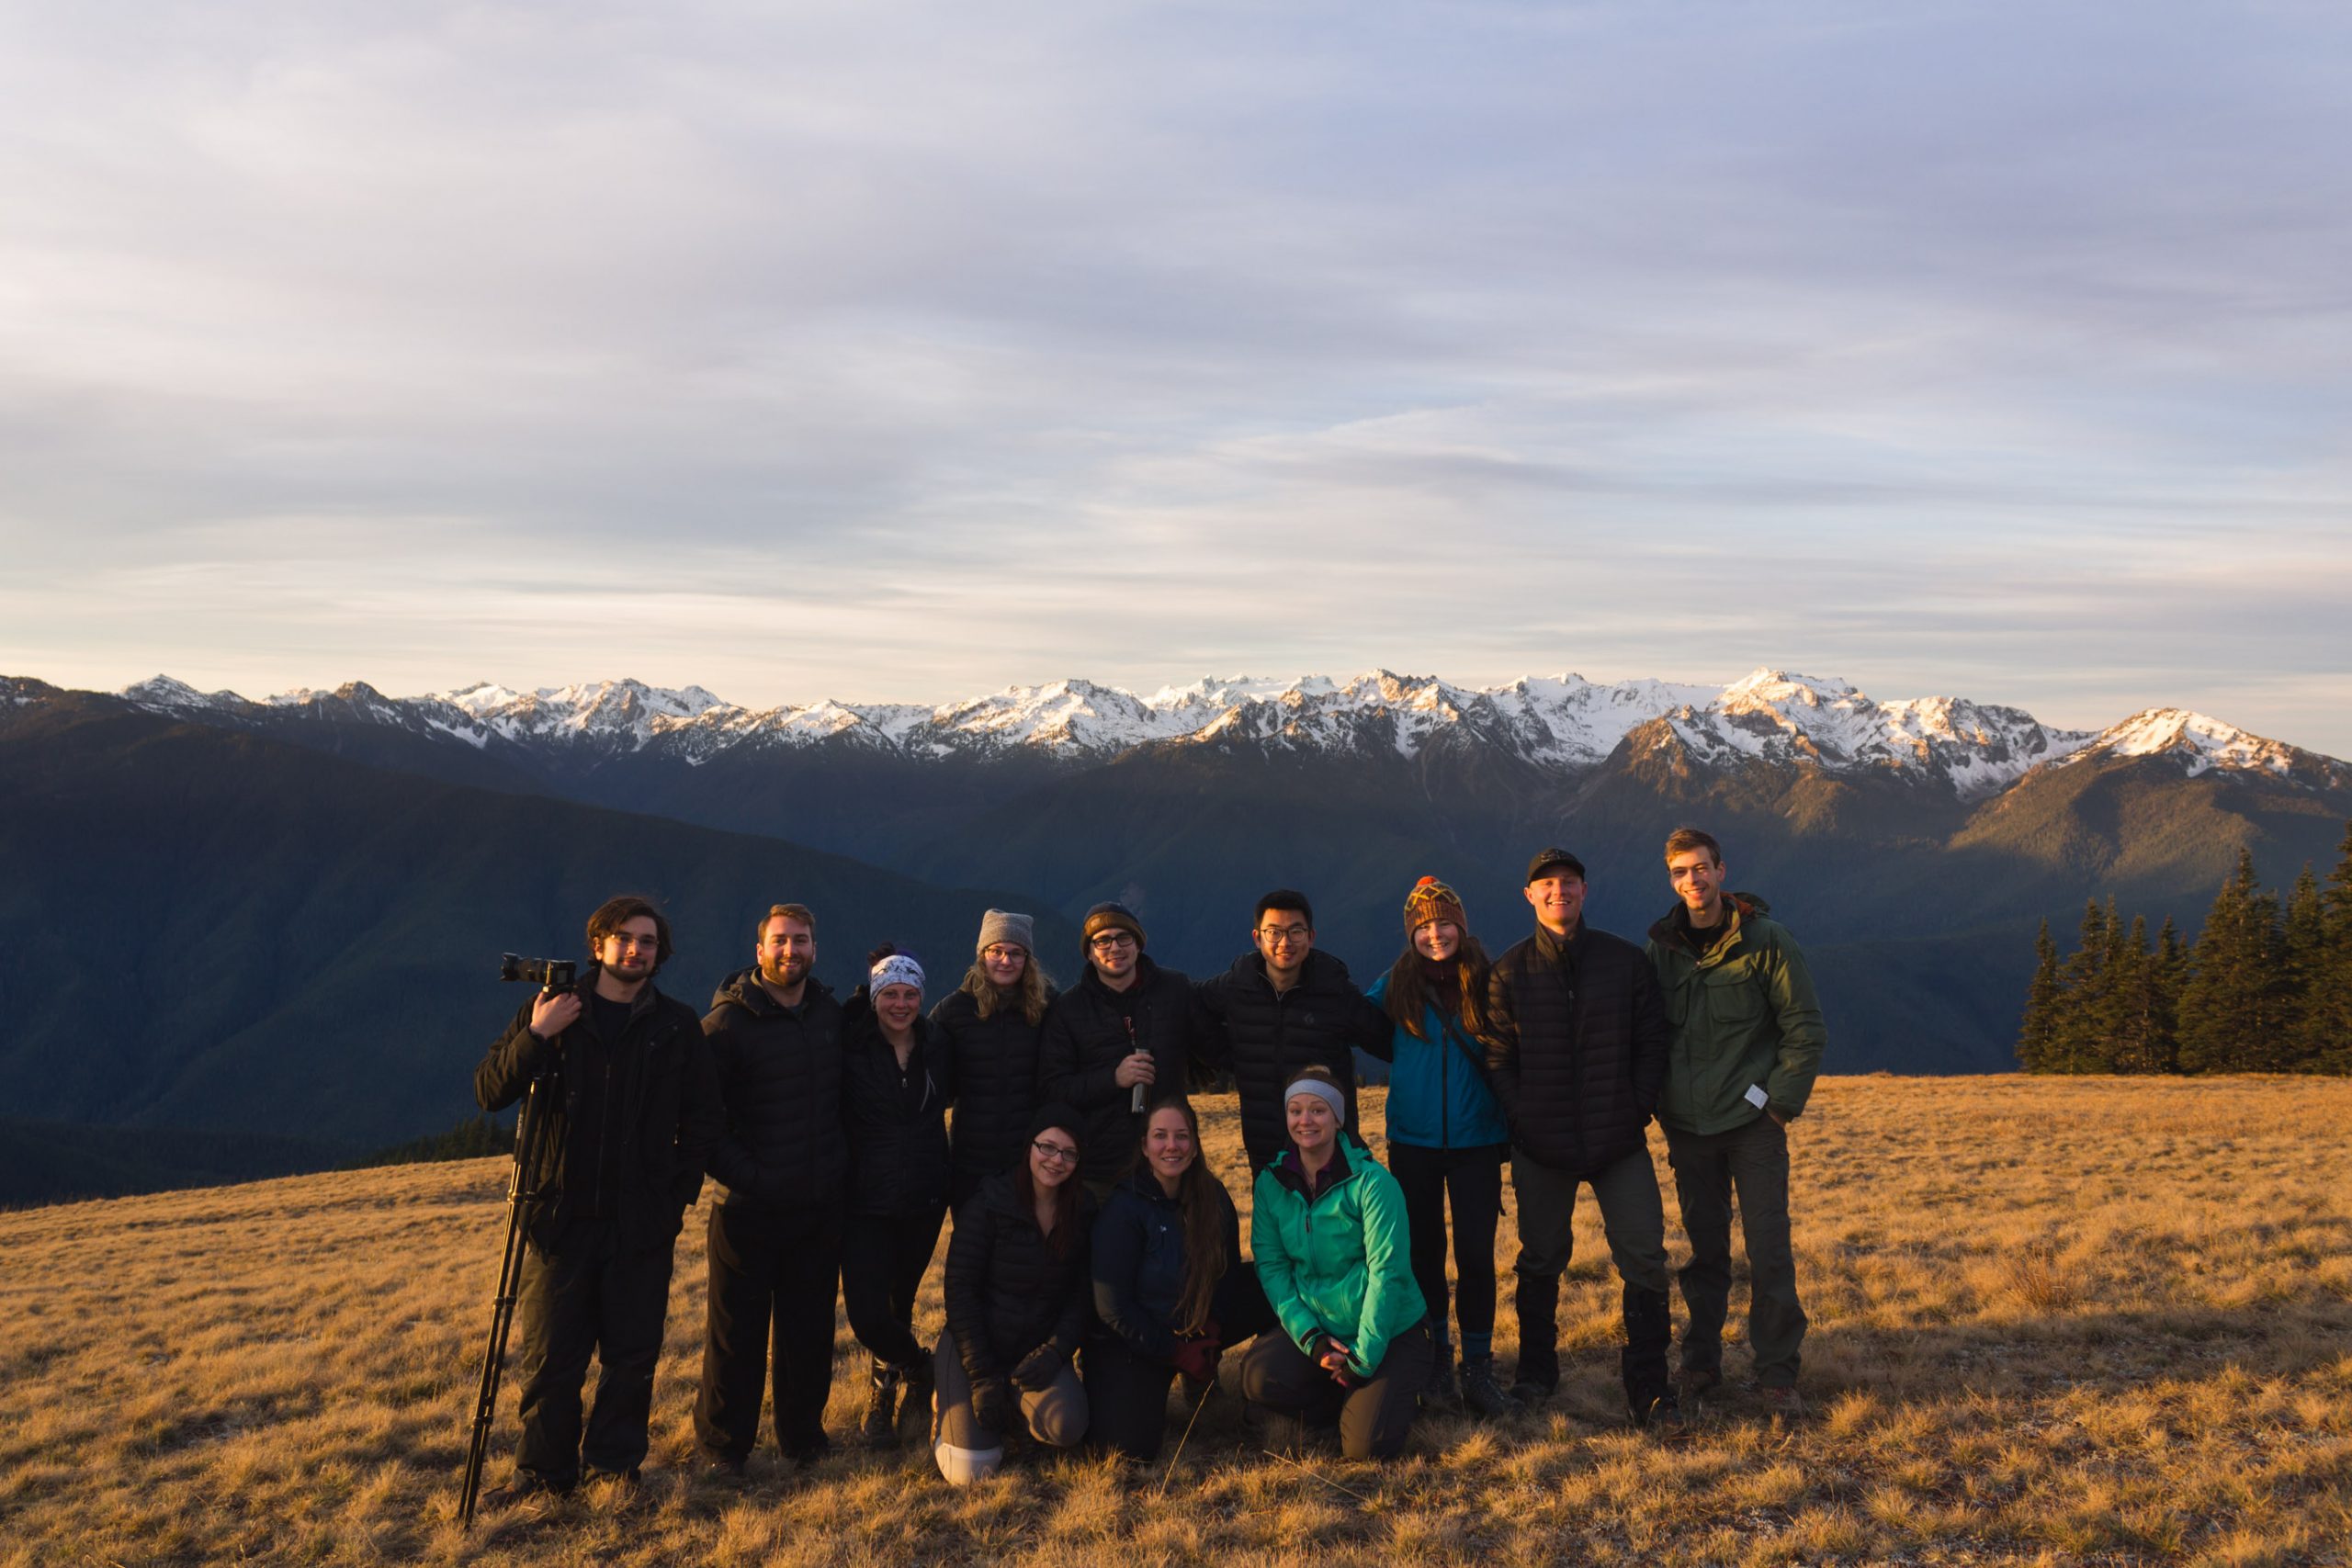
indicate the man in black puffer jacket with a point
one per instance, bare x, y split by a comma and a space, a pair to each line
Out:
775, 1236
1286, 1006
630, 1110
1126, 1035
1578, 1033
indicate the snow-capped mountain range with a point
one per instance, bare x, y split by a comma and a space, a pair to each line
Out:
1562, 723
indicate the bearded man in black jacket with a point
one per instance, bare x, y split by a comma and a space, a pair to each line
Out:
1577, 1037
631, 1110
1284, 1006
1126, 1035
776, 1235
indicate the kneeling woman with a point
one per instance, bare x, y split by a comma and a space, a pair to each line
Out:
1171, 1285
1335, 1256
1018, 1292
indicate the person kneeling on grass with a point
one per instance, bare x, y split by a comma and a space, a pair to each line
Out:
1017, 1297
1171, 1286
1334, 1254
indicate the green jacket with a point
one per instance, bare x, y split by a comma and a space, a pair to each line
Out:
1743, 1016
1339, 1262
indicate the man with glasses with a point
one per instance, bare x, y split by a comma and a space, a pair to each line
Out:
1123, 1038
1284, 1006
632, 1112
776, 1235
1747, 1040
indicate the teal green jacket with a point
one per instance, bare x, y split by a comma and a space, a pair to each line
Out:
1744, 1017
1337, 1262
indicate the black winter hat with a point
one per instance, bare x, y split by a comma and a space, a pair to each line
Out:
1112, 916
1053, 1113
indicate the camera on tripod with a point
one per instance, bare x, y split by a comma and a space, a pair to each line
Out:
553, 974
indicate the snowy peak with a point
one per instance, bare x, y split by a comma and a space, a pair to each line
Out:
1562, 723
2200, 744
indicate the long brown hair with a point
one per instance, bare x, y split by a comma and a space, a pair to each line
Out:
1035, 987
1408, 989
1203, 1200
1063, 1235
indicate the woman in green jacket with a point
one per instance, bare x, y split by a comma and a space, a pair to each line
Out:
1335, 1254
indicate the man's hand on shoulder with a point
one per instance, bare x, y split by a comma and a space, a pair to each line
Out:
554, 1013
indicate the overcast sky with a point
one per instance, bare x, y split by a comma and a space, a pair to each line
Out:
879, 351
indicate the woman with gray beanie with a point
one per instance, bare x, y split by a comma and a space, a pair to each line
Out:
991, 1024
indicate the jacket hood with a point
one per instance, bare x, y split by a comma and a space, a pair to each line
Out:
1672, 930
1287, 1171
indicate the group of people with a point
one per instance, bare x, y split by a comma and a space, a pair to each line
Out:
1096, 1260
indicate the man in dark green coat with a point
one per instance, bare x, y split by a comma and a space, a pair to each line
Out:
1746, 1043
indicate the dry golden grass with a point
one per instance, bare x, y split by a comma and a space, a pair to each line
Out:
2054, 1322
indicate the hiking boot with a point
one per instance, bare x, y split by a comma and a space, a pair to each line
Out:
1441, 1394
800, 1456
525, 1488
723, 1469
918, 1423
1529, 1395
879, 1427
1697, 1382
1783, 1404
1480, 1391
1662, 1415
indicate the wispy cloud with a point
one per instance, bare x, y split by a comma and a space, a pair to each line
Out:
901, 351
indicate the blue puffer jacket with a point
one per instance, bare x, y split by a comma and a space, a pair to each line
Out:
1437, 1097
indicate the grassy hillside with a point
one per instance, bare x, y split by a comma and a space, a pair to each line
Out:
2077, 1321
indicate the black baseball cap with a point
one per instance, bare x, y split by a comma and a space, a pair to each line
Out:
1546, 859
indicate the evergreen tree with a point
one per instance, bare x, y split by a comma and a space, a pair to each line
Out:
2132, 1046
2079, 1042
2231, 1015
2037, 1035
2326, 1028
2168, 976
2303, 955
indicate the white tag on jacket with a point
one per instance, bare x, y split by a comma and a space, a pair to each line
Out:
1756, 1096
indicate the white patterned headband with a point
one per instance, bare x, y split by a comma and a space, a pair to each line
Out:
1322, 1091
896, 970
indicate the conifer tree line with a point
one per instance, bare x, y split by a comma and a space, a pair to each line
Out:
2266, 988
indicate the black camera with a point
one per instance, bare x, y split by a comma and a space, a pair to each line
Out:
554, 974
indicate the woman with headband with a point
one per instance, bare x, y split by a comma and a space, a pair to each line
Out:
1329, 1230
897, 1075
1447, 1137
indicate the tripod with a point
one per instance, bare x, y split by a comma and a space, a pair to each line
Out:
522, 1195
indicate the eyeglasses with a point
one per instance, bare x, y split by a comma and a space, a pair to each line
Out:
999, 954
1110, 942
1278, 936
1054, 1153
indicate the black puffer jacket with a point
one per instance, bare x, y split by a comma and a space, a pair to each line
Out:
1085, 1040
785, 1147
1264, 1039
1578, 1046
654, 1101
1008, 1292
897, 1120
996, 1086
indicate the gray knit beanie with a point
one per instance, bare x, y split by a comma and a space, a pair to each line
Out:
1004, 926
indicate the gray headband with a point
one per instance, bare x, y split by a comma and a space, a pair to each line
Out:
1322, 1091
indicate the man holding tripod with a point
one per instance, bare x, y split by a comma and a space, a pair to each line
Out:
629, 1112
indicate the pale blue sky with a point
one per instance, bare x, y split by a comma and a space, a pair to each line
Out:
882, 351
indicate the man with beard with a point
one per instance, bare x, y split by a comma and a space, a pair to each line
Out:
631, 1110
1123, 1037
776, 1235
1285, 1006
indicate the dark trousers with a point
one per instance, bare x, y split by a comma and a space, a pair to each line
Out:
1632, 1218
773, 1275
1126, 1393
591, 1294
884, 1257
1752, 1161
1374, 1417
1473, 1180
